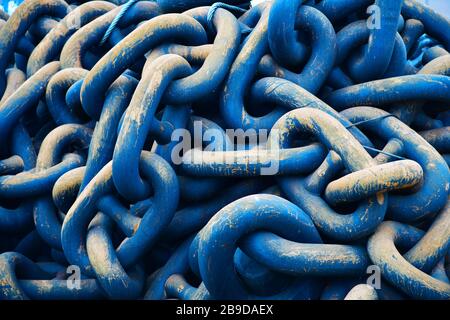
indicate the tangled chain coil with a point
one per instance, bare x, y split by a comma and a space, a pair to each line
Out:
354, 96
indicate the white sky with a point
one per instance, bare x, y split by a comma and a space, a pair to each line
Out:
255, 2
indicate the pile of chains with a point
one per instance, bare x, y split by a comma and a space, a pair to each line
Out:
130, 168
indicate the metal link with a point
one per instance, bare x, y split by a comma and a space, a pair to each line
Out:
196, 150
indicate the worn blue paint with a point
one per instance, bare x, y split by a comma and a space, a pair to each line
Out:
433, 193
148, 229
50, 47
138, 120
358, 126
45, 285
134, 46
348, 153
103, 139
375, 59
56, 142
397, 270
249, 214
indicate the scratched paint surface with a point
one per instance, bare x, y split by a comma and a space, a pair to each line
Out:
193, 150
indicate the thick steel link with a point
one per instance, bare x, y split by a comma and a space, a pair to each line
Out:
19, 22
348, 153
137, 121
396, 269
198, 150
145, 234
50, 47
111, 65
433, 192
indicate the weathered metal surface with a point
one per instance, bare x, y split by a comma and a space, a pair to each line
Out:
288, 150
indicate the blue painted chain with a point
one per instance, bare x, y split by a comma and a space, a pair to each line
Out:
217, 5
116, 20
284, 150
371, 148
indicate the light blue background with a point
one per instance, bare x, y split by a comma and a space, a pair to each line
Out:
442, 6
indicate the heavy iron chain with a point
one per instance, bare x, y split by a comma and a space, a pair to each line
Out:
120, 176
